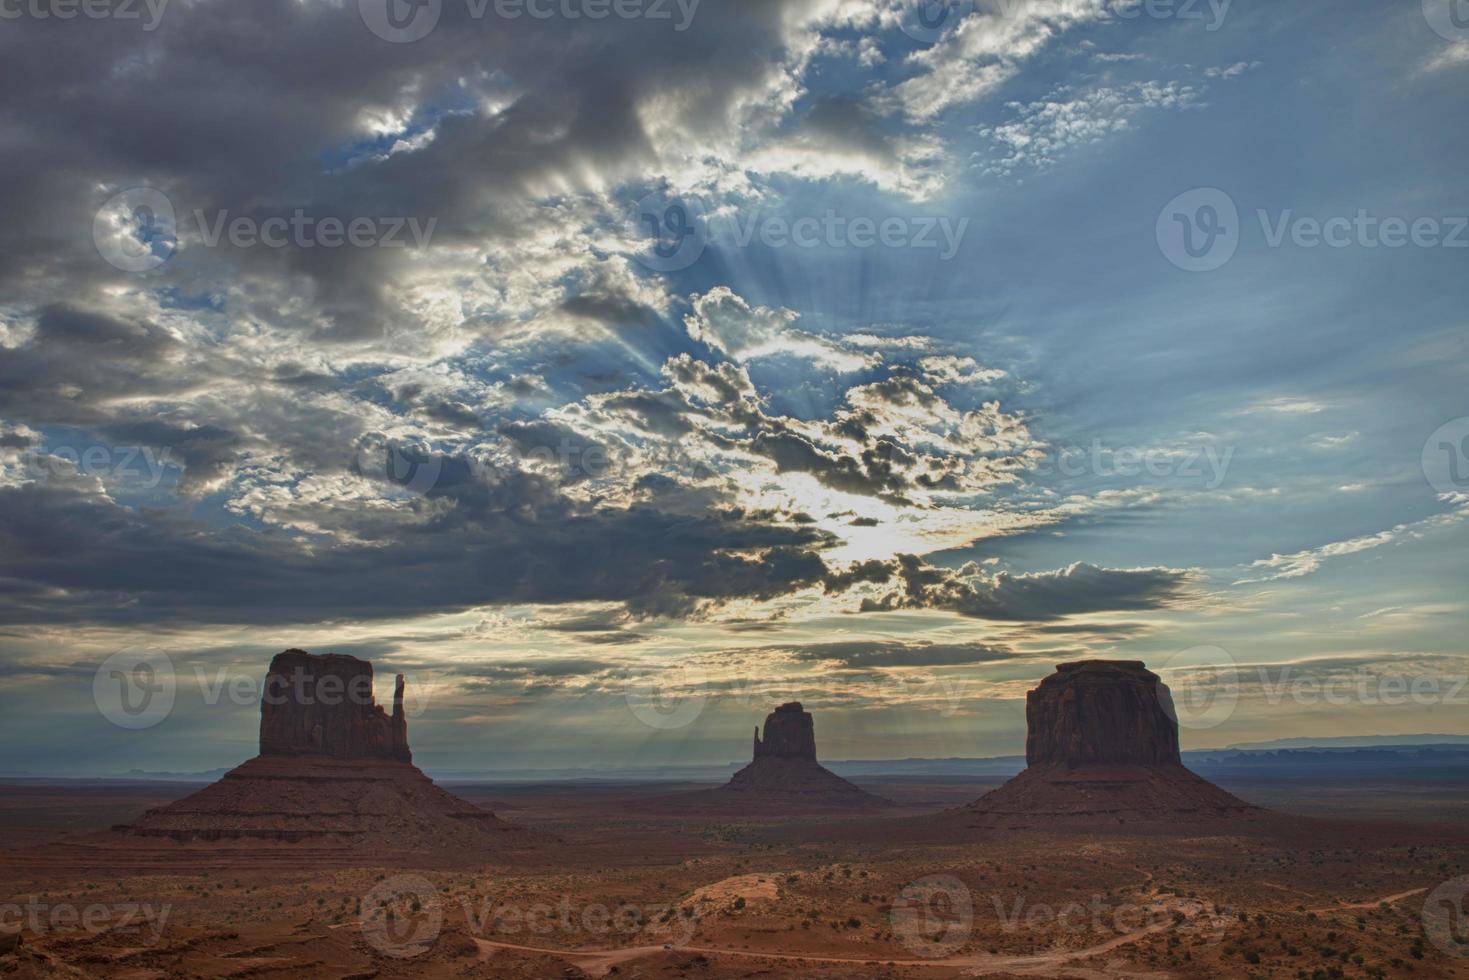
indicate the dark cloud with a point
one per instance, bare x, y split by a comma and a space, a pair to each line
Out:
1075, 590
879, 653
488, 547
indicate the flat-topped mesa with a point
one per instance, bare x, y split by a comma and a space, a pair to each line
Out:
1101, 712
324, 705
789, 734
1102, 745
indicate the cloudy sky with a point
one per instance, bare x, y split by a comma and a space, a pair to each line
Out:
618, 371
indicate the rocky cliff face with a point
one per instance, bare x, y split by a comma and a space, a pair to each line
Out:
1101, 712
789, 734
323, 705
334, 769
1102, 746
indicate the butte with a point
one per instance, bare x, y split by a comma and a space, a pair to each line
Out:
1102, 747
783, 776
334, 772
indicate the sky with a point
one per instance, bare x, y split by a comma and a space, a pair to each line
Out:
618, 372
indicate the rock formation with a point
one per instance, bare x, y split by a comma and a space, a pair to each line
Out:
334, 769
1100, 712
323, 705
783, 776
789, 734
1102, 744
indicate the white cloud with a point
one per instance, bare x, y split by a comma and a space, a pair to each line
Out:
1043, 131
987, 50
732, 327
1453, 56
1303, 563
948, 370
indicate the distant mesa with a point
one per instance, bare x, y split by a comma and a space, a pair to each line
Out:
783, 776
1102, 744
334, 768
